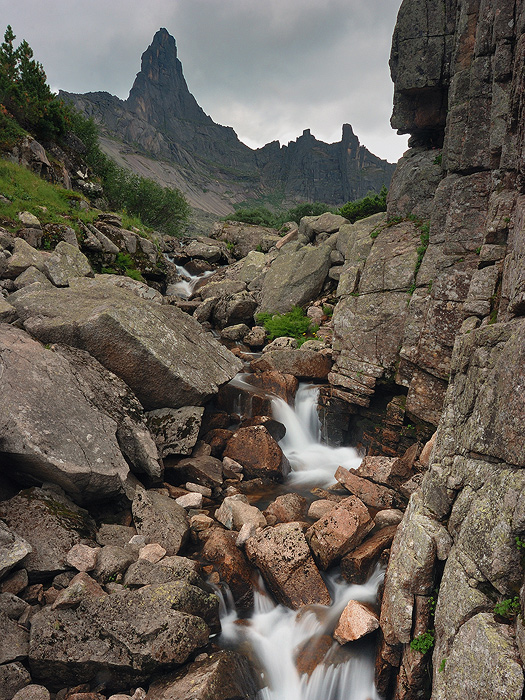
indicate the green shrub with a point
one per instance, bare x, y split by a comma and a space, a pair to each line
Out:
423, 643
294, 324
361, 208
508, 608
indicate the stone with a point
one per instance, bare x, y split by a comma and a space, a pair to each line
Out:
204, 470
15, 582
69, 442
373, 495
389, 516
33, 692
81, 587
424, 457
23, 256
283, 557
235, 511
357, 565
236, 332
287, 508
65, 263
356, 621
14, 641
8, 313
177, 365
318, 509
160, 520
295, 278
29, 220
13, 550
220, 289
190, 500
223, 675
258, 452
234, 309
112, 563
303, 364
144, 572
197, 488
51, 524
12, 605
152, 552
82, 557
281, 343
256, 337
30, 276
118, 535
169, 622
340, 531
13, 677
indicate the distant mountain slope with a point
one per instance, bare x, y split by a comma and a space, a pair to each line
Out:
162, 131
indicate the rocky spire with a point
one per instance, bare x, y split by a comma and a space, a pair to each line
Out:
160, 93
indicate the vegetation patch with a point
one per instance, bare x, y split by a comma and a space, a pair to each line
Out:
423, 642
293, 324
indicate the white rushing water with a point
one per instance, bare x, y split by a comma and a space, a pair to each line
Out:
279, 638
185, 287
313, 464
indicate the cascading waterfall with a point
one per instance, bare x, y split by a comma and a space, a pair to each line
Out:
276, 634
185, 287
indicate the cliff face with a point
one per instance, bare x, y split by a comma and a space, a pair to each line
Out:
161, 121
459, 78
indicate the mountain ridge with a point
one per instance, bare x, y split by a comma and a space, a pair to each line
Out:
160, 128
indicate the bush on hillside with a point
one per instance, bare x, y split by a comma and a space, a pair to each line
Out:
361, 208
293, 324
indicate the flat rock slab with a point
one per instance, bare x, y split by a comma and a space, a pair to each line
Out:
302, 364
161, 353
224, 675
50, 427
126, 636
284, 559
51, 523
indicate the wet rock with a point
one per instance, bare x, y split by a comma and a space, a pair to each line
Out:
287, 508
340, 531
373, 495
160, 520
175, 430
258, 452
221, 550
356, 621
13, 549
60, 436
235, 511
177, 365
356, 566
51, 524
217, 439
101, 637
282, 385
282, 555
224, 675
303, 364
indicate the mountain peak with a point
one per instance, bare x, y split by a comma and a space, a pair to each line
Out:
160, 93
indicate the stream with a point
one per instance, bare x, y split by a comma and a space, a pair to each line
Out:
280, 639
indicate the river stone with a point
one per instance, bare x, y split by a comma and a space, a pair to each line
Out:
161, 353
258, 452
356, 566
143, 572
235, 511
51, 524
234, 309
175, 430
373, 495
340, 531
224, 675
287, 508
303, 364
13, 549
66, 262
13, 677
68, 647
160, 520
295, 278
61, 435
356, 621
283, 557
204, 470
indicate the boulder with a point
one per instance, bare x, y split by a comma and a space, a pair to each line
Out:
356, 621
295, 278
65, 263
190, 500
287, 508
13, 549
160, 520
12, 605
204, 470
36, 692
30, 276
223, 675
258, 452
118, 535
144, 572
8, 313
373, 495
228, 560
23, 256
175, 430
318, 509
220, 289
283, 557
152, 552
82, 557
51, 524
169, 622
234, 309
160, 352
81, 587
60, 435
13, 677
235, 511
303, 364
356, 566
14, 640
340, 531
112, 563
272, 382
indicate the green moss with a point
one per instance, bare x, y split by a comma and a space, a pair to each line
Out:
293, 324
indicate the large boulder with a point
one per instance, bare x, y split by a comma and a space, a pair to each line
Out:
258, 452
295, 278
51, 524
51, 428
124, 636
13, 549
160, 520
160, 352
284, 559
302, 364
175, 430
224, 675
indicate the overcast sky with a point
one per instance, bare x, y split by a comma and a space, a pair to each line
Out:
268, 68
